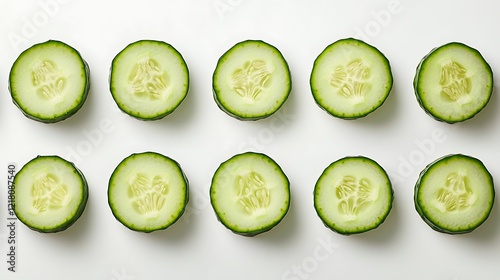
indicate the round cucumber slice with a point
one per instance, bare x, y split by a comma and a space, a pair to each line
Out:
49, 81
51, 194
453, 83
454, 194
251, 80
149, 79
250, 193
353, 195
148, 192
350, 79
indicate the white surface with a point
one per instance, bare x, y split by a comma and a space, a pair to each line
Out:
300, 137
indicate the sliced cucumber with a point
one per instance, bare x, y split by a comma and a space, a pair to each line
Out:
148, 192
149, 79
251, 80
49, 81
250, 193
353, 195
454, 194
453, 83
350, 79
51, 194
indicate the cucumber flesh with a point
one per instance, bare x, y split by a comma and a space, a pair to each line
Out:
51, 194
350, 79
149, 79
148, 192
453, 83
250, 193
353, 195
49, 81
454, 194
251, 80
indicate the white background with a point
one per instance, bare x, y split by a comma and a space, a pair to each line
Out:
302, 138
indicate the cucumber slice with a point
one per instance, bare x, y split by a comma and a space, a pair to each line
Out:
251, 80
149, 79
148, 192
453, 83
49, 81
350, 79
353, 195
250, 193
51, 194
454, 194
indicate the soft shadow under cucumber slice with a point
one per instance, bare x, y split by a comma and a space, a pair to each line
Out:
49, 81
251, 80
147, 192
350, 79
454, 194
250, 193
353, 195
453, 83
50, 194
149, 79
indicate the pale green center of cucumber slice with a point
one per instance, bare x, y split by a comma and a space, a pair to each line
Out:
48, 80
148, 193
49, 193
148, 80
351, 80
253, 194
354, 196
249, 80
455, 195
455, 84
